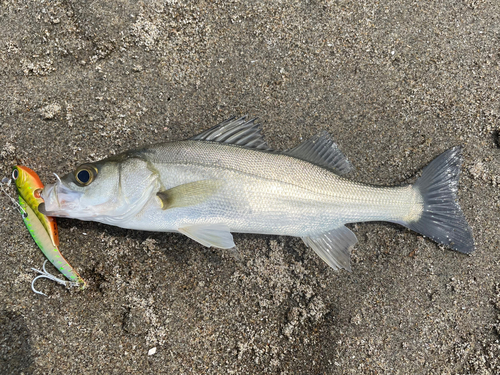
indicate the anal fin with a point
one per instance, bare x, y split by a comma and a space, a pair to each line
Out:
334, 247
216, 235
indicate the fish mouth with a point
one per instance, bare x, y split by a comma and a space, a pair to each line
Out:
59, 200
43, 211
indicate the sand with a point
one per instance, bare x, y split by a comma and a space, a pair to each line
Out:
395, 83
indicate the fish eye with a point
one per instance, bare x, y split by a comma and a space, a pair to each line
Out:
85, 174
15, 174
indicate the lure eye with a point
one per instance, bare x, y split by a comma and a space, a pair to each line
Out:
37, 193
85, 174
15, 174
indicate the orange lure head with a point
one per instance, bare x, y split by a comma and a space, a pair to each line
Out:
29, 186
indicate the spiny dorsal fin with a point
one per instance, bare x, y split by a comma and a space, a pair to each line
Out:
188, 194
322, 151
236, 132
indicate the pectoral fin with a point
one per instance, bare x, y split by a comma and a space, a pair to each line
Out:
334, 247
216, 235
188, 194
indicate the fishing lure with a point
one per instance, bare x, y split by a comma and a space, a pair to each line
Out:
29, 186
42, 228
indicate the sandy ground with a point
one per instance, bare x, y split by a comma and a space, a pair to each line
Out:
394, 82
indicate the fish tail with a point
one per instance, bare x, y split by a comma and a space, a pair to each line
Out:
442, 218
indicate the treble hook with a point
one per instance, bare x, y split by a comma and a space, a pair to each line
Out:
47, 275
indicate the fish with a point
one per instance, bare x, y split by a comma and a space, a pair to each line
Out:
42, 228
228, 180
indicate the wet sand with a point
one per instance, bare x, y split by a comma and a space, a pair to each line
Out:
395, 83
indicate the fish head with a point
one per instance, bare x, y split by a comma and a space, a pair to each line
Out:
107, 191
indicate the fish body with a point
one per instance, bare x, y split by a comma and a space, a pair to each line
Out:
227, 179
283, 195
42, 228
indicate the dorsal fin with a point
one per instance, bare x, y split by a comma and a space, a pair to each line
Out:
322, 151
236, 132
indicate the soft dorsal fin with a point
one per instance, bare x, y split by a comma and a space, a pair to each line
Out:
236, 132
322, 151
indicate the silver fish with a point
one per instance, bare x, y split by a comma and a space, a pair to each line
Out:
227, 179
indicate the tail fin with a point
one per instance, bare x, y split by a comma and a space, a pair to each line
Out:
442, 218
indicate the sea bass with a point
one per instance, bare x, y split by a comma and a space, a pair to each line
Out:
227, 179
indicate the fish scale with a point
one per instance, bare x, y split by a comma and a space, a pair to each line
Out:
270, 186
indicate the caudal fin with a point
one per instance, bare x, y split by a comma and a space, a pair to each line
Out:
442, 218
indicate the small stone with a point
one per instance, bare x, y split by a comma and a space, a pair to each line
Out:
477, 170
152, 351
356, 320
50, 111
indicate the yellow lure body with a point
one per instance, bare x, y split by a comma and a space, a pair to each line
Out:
42, 228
